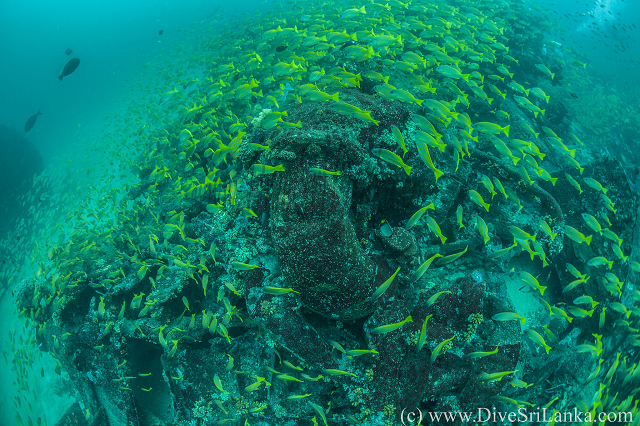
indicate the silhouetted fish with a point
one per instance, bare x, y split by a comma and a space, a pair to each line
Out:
347, 44
160, 32
31, 121
281, 48
69, 68
68, 51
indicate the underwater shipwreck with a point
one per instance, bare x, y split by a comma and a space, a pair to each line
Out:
348, 214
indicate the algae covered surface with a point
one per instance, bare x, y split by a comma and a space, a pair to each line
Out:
341, 213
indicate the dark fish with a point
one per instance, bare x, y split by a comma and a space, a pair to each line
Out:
281, 48
31, 121
68, 51
69, 68
347, 44
160, 32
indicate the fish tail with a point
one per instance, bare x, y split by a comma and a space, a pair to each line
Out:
407, 169
527, 92
505, 129
588, 241
39, 113
60, 77
552, 75
542, 289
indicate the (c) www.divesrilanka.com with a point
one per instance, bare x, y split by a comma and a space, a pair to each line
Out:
525, 415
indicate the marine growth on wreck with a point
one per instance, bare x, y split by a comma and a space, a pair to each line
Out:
341, 213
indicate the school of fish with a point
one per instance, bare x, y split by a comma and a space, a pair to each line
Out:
138, 261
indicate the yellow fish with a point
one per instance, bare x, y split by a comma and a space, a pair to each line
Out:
392, 158
576, 235
262, 169
423, 268
353, 111
482, 228
385, 285
480, 354
492, 128
535, 337
532, 282
508, 316
477, 198
417, 215
423, 151
391, 327
435, 228
438, 349
322, 172
397, 134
